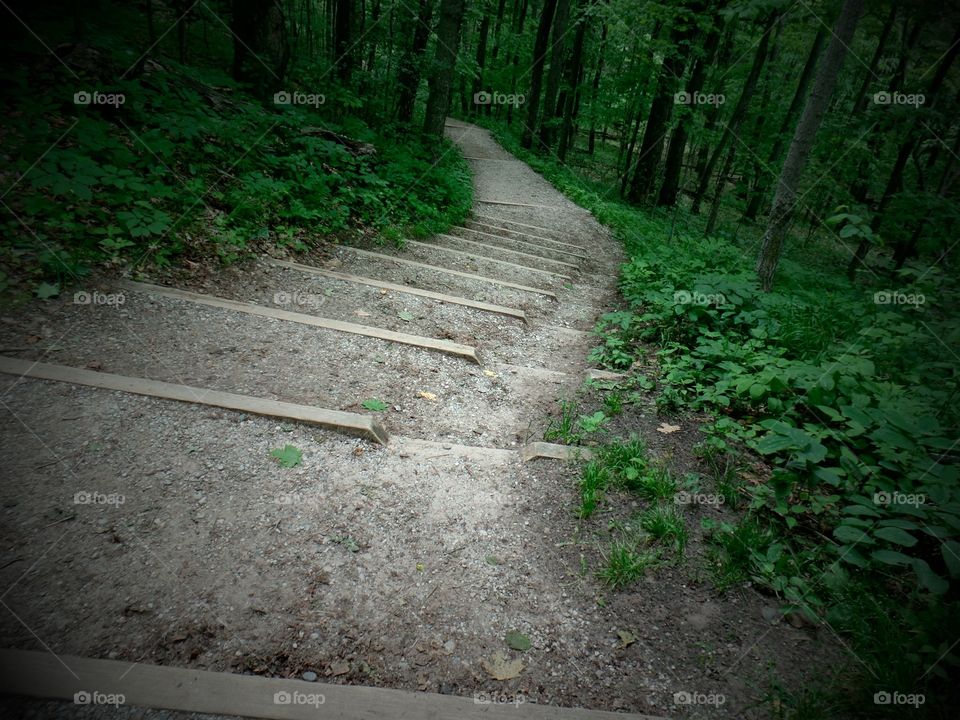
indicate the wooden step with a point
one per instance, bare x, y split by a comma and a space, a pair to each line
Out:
444, 346
353, 423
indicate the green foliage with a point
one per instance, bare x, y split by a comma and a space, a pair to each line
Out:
664, 523
374, 405
625, 563
288, 456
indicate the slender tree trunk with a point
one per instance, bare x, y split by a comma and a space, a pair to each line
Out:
342, 32
576, 73
738, 114
799, 95
408, 73
595, 89
803, 138
536, 73
481, 60
868, 78
448, 39
557, 46
651, 146
678, 139
895, 180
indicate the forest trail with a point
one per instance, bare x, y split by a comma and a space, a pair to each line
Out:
404, 565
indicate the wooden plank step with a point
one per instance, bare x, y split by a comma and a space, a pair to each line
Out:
444, 346
526, 225
458, 273
452, 299
487, 201
539, 238
45, 675
535, 246
552, 451
472, 256
354, 423
491, 246
470, 157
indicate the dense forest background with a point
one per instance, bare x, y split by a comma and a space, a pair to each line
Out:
783, 175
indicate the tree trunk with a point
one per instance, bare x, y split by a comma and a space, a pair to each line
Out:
259, 29
576, 75
803, 138
738, 114
448, 39
481, 61
799, 95
861, 102
557, 47
536, 73
651, 146
342, 32
678, 139
895, 181
594, 90
408, 73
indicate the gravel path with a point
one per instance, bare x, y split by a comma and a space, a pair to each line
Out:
161, 532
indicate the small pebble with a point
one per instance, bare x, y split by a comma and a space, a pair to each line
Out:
310, 676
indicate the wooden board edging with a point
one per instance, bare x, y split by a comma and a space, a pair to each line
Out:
421, 292
493, 246
45, 675
484, 258
458, 273
552, 451
362, 425
525, 243
444, 346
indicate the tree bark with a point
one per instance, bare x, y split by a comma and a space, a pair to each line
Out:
594, 90
557, 47
342, 38
536, 73
678, 139
408, 74
738, 114
771, 247
481, 61
576, 74
799, 95
448, 39
651, 146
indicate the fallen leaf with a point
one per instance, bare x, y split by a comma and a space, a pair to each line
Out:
339, 668
427, 395
667, 428
517, 641
489, 373
405, 316
419, 567
383, 292
627, 638
361, 313
95, 365
33, 339
502, 669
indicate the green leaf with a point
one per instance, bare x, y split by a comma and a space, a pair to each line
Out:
928, 578
375, 405
891, 557
45, 291
517, 641
895, 535
405, 316
847, 534
288, 456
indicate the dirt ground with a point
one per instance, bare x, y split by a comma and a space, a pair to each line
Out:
159, 532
